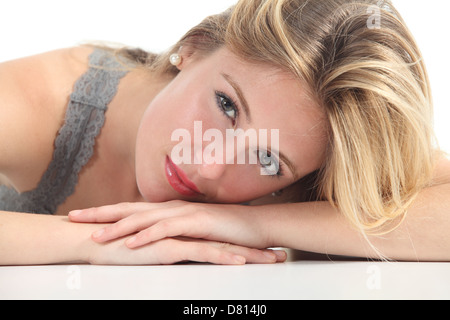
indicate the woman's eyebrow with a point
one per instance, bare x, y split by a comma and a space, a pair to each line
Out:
240, 95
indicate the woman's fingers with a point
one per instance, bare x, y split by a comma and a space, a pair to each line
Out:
173, 250
111, 213
191, 249
137, 222
158, 228
171, 227
208, 252
218, 253
128, 225
256, 255
116, 212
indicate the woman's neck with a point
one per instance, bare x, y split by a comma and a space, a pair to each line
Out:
136, 91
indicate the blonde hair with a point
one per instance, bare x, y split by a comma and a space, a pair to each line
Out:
369, 79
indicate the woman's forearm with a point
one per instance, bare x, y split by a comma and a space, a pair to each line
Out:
318, 227
40, 239
314, 227
28, 239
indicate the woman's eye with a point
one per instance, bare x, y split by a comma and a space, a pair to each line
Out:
227, 106
269, 165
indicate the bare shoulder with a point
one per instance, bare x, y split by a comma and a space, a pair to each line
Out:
442, 172
34, 93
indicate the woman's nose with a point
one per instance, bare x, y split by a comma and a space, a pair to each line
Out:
211, 165
211, 171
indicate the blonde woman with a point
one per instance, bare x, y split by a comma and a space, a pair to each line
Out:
355, 170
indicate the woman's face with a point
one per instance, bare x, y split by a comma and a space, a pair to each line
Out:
182, 149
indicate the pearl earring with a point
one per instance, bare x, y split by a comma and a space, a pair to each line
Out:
175, 59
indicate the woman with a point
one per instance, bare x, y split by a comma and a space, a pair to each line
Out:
350, 102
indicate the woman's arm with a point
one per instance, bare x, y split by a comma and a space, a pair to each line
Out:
33, 100
29, 239
313, 226
40, 239
317, 227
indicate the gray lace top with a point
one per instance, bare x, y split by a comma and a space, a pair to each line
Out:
75, 141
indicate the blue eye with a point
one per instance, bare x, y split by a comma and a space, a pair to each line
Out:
270, 166
227, 106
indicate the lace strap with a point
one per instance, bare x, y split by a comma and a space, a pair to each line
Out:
98, 86
74, 145
85, 117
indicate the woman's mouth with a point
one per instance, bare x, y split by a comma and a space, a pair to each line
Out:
179, 181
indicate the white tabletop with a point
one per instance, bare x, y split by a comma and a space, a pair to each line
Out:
301, 279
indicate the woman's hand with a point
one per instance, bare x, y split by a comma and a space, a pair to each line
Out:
174, 250
151, 223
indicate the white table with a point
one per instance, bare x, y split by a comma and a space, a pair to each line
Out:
298, 279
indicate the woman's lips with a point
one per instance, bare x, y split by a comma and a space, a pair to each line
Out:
179, 181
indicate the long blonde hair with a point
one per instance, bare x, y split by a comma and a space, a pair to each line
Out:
363, 67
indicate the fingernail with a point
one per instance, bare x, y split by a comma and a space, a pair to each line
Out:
270, 255
75, 213
99, 233
130, 241
280, 254
239, 260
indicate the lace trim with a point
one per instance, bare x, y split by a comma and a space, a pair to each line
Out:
74, 145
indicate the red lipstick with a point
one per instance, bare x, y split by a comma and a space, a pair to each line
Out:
179, 180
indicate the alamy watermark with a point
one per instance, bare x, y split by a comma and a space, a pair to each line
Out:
231, 149
374, 21
73, 281
374, 279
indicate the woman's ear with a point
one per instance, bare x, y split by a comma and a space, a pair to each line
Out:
187, 55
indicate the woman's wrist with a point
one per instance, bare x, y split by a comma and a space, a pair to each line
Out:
283, 225
42, 239
82, 247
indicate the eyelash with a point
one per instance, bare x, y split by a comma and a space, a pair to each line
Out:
220, 98
280, 172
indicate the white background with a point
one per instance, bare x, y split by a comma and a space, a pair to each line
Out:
34, 26
295, 280
29, 26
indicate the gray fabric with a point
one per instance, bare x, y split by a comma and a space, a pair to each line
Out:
75, 142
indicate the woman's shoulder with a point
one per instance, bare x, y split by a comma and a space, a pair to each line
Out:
60, 62
33, 98
37, 78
